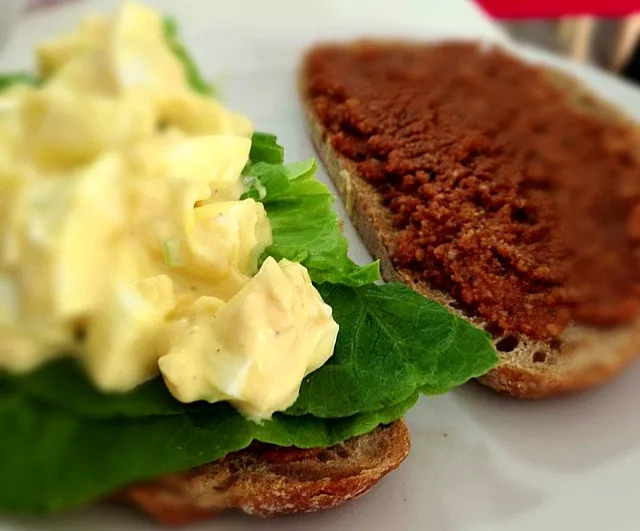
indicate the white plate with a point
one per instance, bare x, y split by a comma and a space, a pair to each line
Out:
479, 461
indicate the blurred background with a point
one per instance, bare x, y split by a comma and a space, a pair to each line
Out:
605, 33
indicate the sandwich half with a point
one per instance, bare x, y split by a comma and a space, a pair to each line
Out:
181, 326
505, 191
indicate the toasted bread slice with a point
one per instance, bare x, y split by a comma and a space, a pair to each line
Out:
268, 481
583, 357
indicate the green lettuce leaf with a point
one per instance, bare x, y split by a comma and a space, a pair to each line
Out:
54, 460
266, 182
305, 227
265, 148
17, 78
196, 79
392, 343
64, 385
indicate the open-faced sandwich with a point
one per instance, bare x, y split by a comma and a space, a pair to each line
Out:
180, 325
503, 190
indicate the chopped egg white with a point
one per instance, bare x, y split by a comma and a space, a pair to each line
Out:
260, 365
122, 346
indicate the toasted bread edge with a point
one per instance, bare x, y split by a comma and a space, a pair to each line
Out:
288, 481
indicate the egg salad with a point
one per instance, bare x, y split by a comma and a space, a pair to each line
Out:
124, 239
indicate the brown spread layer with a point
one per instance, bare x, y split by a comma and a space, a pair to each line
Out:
504, 193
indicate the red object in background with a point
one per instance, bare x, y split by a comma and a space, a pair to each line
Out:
514, 9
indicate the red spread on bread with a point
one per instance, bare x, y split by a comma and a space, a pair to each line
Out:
504, 192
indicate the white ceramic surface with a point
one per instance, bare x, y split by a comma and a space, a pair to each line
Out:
9, 15
479, 462
207, 22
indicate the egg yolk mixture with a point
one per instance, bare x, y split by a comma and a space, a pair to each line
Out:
124, 241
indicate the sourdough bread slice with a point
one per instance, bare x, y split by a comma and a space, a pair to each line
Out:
583, 357
269, 481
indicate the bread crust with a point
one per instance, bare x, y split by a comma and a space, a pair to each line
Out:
586, 356
267, 481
